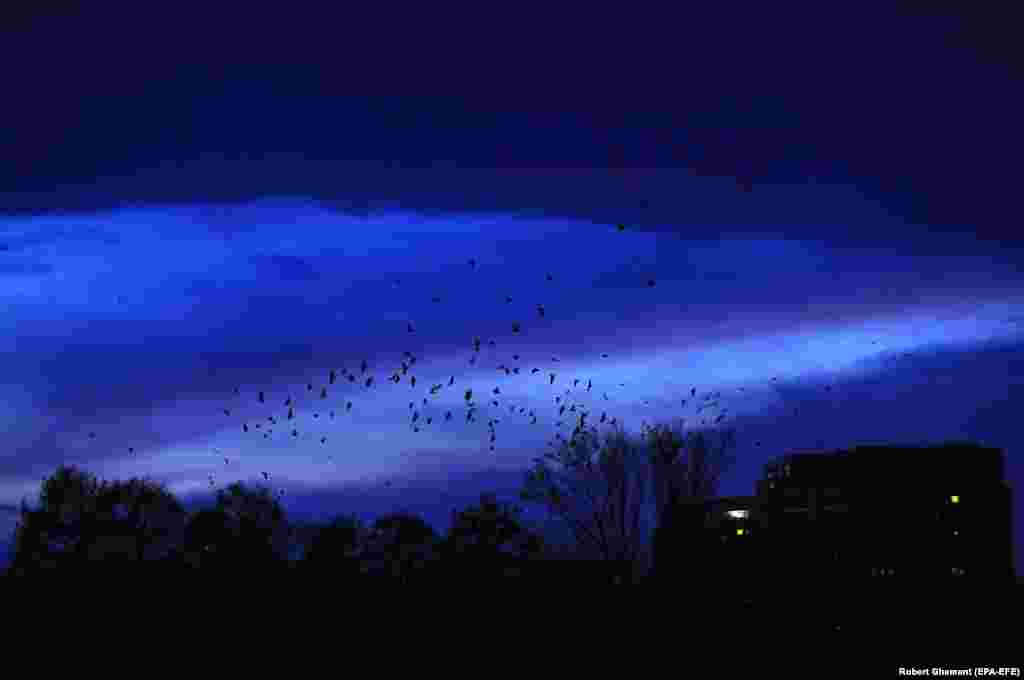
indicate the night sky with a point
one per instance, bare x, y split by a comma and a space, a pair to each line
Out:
195, 203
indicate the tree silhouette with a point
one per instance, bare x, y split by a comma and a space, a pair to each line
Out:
686, 472
488, 540
82, 524
246, 529
599, 488
335, 549
403, 546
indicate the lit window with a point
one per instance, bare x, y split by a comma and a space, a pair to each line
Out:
739, 532
957, 571
956, 533
954, 499
738, 514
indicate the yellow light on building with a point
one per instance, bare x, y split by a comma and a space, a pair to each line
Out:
739, 532
954, 499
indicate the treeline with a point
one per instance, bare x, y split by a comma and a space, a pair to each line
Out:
600, 487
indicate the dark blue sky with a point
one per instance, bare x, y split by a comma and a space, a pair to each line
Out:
241, 192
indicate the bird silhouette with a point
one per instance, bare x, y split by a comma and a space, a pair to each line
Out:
448, 416
332, 414
245, 428
550, 277
409, 326
369, 381
472, 263
309, 387
536, 370
650, 283
589, 385
412, 381
333, 376
323, 392
508, 299
693, 392
515, 327
323, 440
131, 449
362, 366
552, 379
468, 395
437, 298
227, 412
291, 414
497, 390
575, 382
348, 406
540, 311
261, 398
288, 401
452, 381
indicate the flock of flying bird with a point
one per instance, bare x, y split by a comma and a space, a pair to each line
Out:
573, 406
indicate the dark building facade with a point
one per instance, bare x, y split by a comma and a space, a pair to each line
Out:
902, 514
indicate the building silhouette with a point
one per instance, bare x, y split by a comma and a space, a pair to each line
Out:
900, 514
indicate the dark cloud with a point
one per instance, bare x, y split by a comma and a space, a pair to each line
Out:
290, 267
24, 267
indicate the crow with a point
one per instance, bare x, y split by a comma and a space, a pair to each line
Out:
333, 376
540, 311
452, 381
323, 392
348, 406
291, 414
552, 379
261, 398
